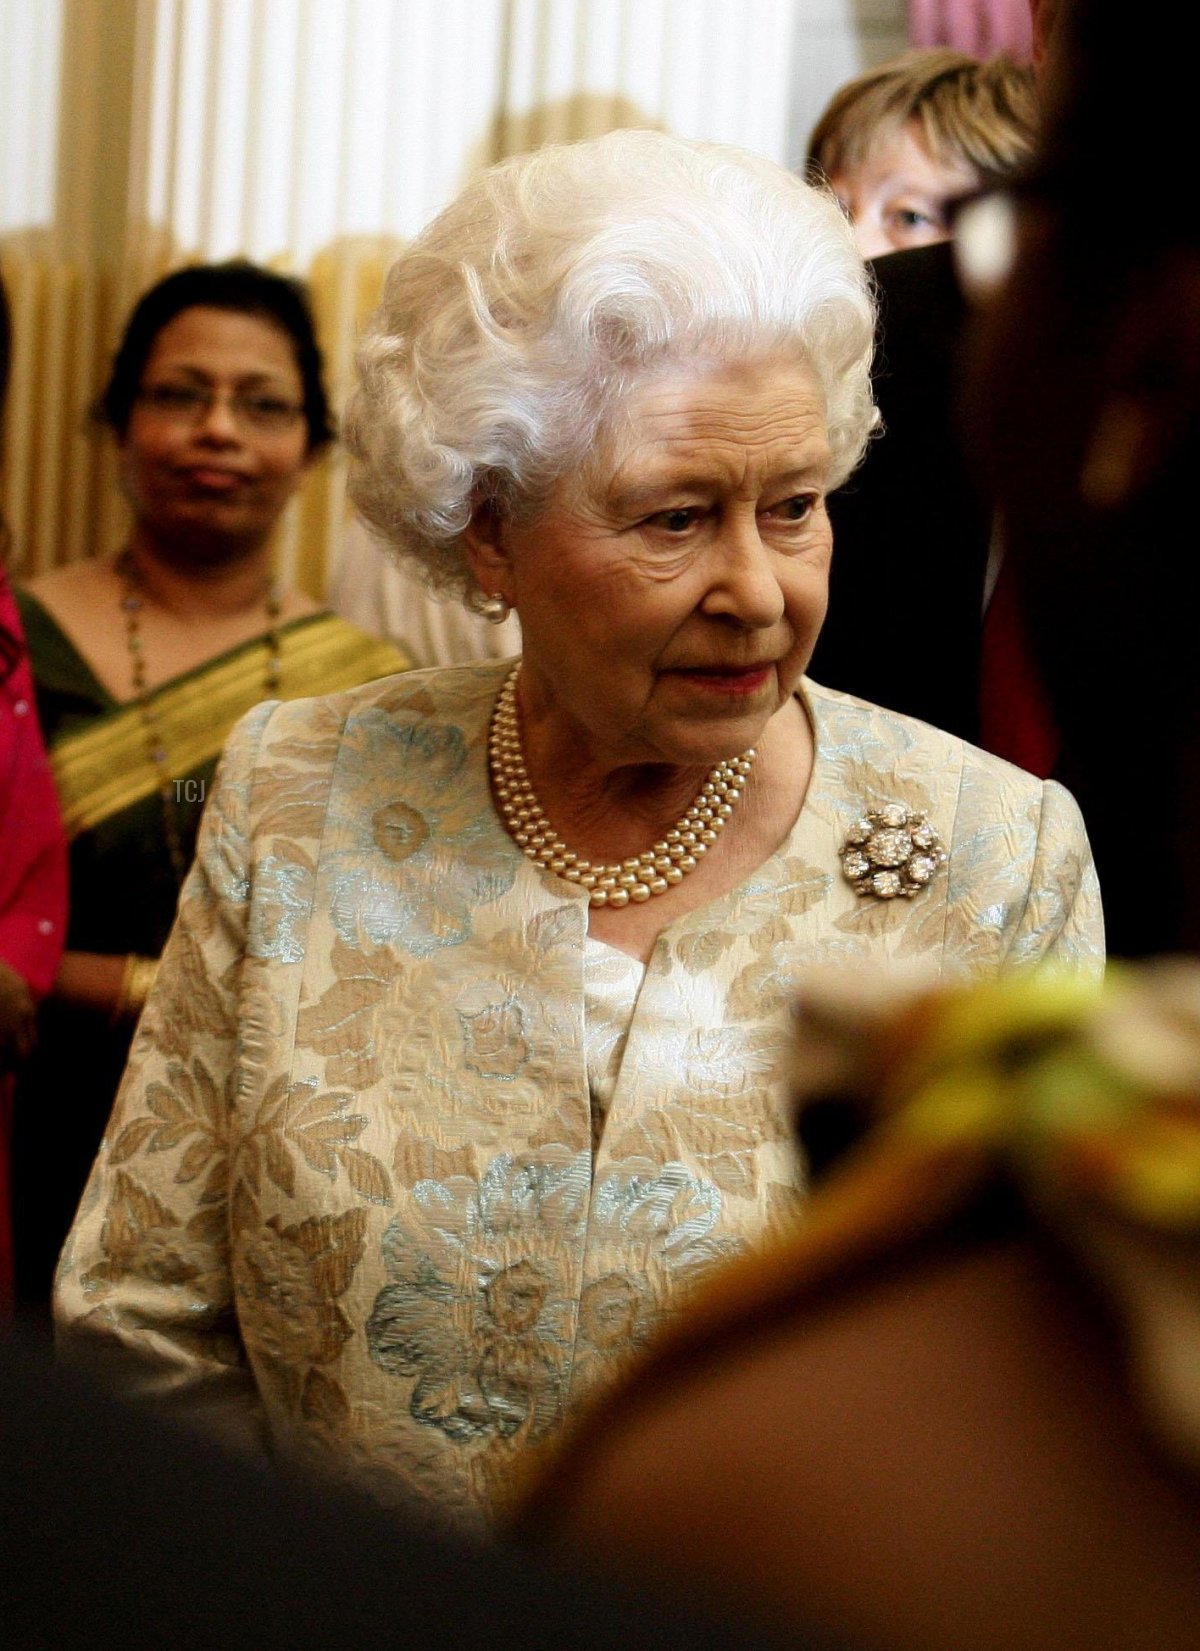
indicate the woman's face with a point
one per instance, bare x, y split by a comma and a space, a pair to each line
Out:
670, 599
897, 198
217, 440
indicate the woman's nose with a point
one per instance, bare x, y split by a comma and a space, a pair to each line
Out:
220, 421
745, 585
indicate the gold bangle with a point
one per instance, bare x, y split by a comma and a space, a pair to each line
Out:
136, 983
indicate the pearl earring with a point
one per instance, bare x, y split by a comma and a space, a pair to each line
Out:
495, 608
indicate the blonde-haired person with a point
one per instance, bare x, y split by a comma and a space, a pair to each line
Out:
461, 1067
903, 140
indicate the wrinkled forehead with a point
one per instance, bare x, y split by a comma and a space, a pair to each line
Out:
752, 418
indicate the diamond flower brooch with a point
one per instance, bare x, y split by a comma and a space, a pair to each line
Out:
891, 851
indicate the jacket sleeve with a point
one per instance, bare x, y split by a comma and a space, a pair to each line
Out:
1062, 922
145, 1276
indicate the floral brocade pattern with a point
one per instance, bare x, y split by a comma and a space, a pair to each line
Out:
350, 1186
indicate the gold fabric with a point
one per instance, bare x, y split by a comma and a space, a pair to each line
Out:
350, 1178
106, 768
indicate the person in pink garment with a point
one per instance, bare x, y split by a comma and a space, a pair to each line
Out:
33, 865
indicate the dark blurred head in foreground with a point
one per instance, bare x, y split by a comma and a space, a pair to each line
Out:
1087, 397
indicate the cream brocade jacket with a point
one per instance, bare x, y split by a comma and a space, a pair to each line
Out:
348, 1190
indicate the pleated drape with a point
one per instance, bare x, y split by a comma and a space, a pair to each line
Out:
315, 136
981, 27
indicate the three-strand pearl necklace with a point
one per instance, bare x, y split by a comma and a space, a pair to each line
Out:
622, 881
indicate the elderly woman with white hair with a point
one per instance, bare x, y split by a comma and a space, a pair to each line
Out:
460, 1069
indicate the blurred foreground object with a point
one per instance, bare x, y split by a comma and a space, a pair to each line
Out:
1086, 403
960, 1405
124, 1538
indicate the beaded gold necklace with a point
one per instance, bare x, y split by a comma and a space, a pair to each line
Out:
132, 602
620, 882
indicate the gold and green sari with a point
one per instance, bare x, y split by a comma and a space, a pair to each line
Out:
123, 880
123, 885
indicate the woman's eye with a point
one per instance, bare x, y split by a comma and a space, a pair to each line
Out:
914, 220
676, 521
797, 509
175, 398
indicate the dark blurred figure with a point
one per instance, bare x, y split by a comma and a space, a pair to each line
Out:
123, 1530
33, 865
1089, 401
957, 1407
917, 553
1078, 443
911, 528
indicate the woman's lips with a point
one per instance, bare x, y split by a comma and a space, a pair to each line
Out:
732, 680
210, 479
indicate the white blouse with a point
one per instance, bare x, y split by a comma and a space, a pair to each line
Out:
612, 981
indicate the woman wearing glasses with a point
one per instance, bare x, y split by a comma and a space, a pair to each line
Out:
145, 659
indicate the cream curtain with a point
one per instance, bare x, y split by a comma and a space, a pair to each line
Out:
313, 135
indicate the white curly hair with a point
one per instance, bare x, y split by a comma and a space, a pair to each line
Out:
515, 326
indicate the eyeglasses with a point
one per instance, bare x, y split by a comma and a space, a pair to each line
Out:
190, 403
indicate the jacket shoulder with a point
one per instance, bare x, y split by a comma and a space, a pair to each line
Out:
462, 693
841, 719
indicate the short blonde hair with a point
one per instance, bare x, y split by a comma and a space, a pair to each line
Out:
514, 328
980, 113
